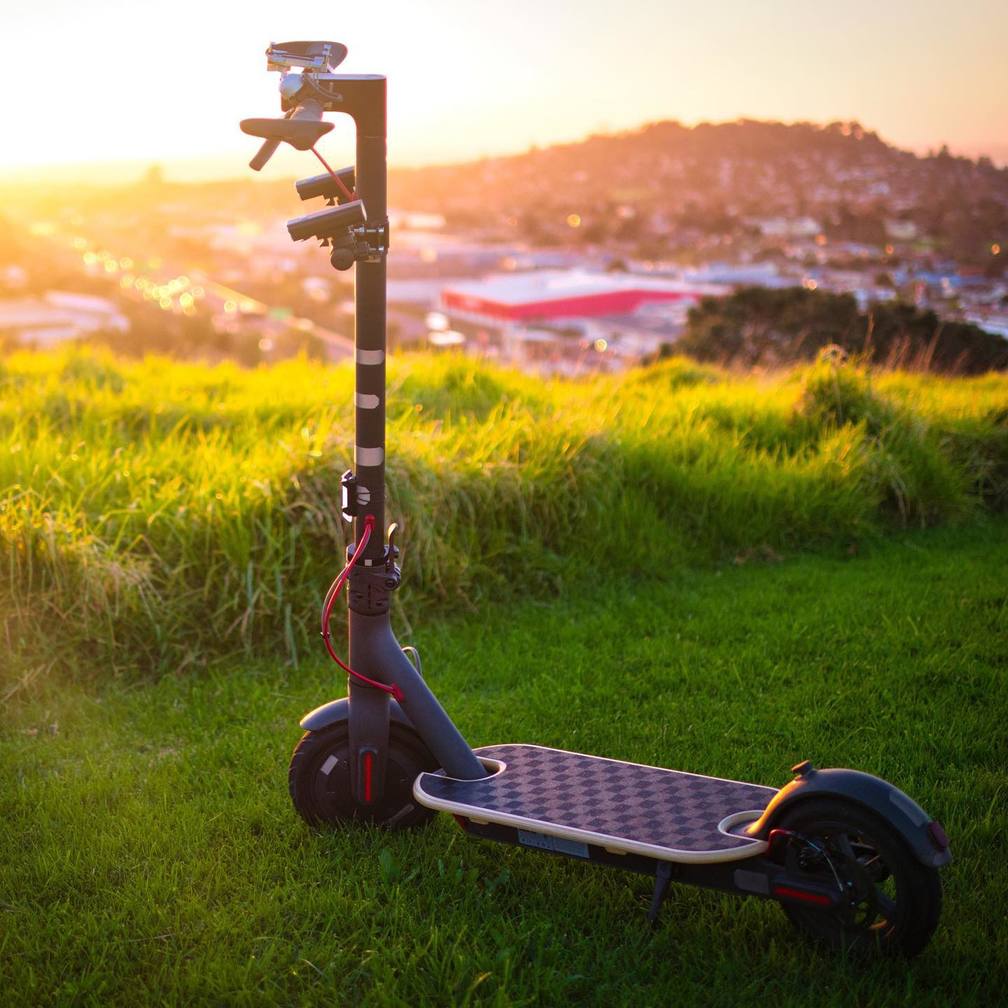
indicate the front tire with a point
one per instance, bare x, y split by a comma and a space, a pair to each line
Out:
319, 779
893, 901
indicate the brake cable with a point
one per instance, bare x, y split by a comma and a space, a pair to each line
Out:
334, 589
307, 78
339, 182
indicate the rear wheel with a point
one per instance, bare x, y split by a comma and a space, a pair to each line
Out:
892, 901
319, 779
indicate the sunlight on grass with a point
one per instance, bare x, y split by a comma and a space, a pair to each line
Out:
166, 514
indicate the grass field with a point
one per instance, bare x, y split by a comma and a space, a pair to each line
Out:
150, 855
159, 516
677, 566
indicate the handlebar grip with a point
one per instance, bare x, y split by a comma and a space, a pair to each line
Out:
268, 149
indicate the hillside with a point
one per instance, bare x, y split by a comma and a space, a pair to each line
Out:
158, 516
668, 179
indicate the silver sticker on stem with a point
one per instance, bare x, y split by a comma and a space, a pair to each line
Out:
370, 356
367, 401
369, 456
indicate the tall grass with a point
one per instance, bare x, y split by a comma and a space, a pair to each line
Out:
155, 516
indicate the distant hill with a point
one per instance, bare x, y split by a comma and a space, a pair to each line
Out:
668, 179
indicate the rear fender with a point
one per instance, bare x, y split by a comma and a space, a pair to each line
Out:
925, 838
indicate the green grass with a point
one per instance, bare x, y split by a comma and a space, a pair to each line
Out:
149, 853
157, 516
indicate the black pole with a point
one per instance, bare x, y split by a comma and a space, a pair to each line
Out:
370, 330
374, 650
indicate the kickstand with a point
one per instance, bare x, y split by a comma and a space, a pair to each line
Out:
663, 876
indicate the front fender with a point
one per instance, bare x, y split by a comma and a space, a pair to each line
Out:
339, 710
925, 838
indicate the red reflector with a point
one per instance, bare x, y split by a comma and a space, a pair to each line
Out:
802, 895
368, 763
938, 835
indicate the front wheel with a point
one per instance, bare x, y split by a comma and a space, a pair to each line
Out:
319, 779
892, 901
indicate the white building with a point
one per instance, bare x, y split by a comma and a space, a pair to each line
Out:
566, 321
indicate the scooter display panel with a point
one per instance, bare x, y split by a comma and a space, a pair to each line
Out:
666, 814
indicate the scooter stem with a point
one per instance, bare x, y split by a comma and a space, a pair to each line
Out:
369, 330
374, 650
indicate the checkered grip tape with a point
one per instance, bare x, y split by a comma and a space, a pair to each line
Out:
663, 808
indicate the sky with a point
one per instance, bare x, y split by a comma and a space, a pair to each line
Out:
117, 84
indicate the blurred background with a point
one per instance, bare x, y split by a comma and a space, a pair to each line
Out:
575, 187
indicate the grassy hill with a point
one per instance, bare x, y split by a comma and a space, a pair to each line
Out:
158, 516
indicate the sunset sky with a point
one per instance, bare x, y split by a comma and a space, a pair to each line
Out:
129, 80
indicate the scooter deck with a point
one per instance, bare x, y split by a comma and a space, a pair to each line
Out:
623, 807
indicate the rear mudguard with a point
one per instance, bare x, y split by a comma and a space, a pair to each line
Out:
339, 710
925, 838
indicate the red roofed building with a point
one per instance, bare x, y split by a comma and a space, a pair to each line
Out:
550, 294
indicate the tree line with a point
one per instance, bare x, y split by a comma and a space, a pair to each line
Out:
768, 327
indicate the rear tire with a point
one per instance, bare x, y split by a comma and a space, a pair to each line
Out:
894, 901
319, 779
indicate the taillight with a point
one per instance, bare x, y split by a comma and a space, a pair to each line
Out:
938, 835
791, 894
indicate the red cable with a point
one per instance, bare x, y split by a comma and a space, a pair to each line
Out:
334, 589
339, 182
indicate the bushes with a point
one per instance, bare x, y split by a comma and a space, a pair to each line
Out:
909, 471
776, 327
156, 516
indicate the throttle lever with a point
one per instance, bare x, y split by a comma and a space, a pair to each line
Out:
268, 149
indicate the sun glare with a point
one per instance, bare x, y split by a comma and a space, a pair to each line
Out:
470, 80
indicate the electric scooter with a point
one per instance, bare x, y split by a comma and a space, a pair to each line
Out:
851, 859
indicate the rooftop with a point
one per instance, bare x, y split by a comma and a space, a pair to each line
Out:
559, 293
